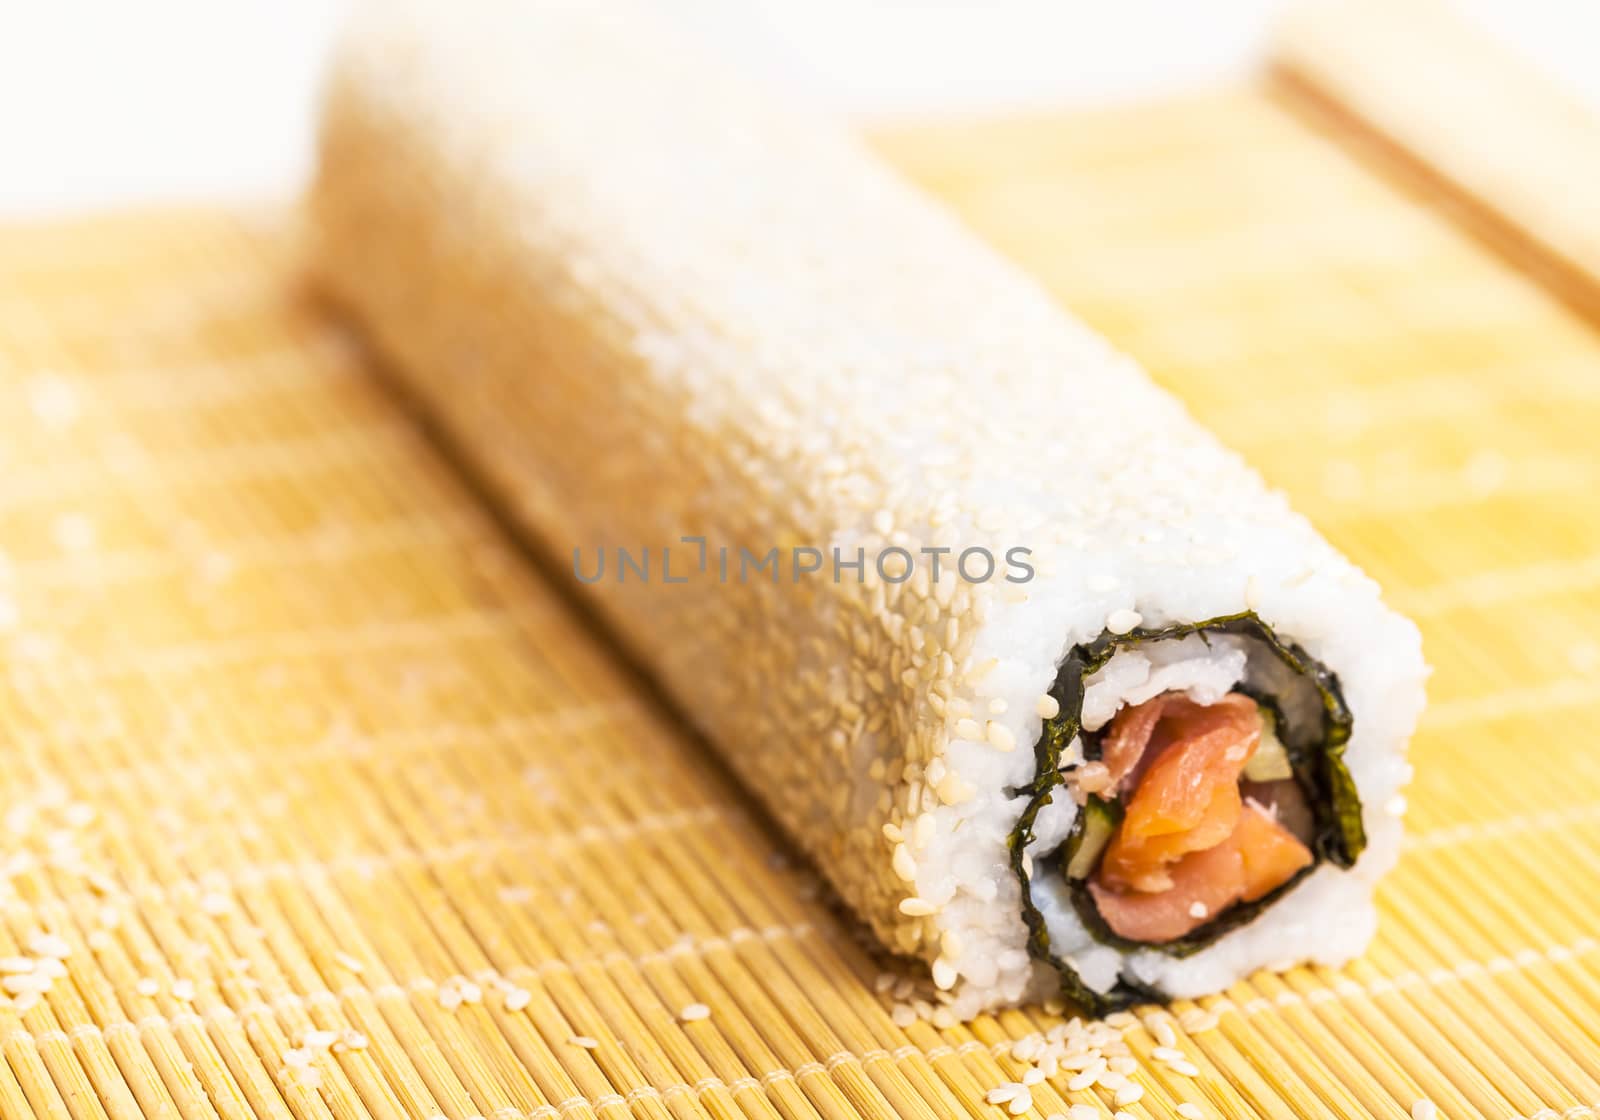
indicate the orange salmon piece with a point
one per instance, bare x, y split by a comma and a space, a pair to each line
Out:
1271, 853
1187, 799
1259, 856
1213, 878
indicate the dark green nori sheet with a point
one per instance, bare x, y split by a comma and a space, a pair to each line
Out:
1319, 767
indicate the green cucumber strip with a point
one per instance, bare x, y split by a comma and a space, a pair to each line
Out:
1100, 818
1270, 762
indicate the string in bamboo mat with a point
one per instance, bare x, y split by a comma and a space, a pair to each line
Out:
327, 806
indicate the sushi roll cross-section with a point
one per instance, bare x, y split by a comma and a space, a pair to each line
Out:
1201, 770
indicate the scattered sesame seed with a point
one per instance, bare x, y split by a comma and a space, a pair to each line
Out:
457, 990
319, 1039
306, 1077
1424, 1110
1186, 1068
954, 789
49, 945
917, 907
1092, 777
694, 1012
351, 1040
26, 1002
1191, 1111
944, 974
584, 1041
214, 902
296, 1057
145, 986
1161, 1029
1199, 910
1111, 1079
349, 962
1123, 620
1020, 1103
1033, 1076
1000, 737
1088, 1077
904, 864
968, 728
11, 965
517, 998
1000, 1094
1168, 1054
183, 989
1027, 1048
1197, 1020
1047, 707
1120, 1115
17, 983
51, 968
1083, 1112
1128, 1094
99, 940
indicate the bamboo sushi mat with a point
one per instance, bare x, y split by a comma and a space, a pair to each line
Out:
332, 807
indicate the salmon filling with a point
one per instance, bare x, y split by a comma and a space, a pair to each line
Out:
1196, 836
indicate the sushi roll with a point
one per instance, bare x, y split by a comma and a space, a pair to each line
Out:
1059, 695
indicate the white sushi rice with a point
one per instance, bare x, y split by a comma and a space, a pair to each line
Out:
652, 303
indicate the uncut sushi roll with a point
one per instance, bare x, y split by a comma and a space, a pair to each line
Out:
1055, 691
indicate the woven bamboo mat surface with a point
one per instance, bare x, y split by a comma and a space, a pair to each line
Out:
330, 806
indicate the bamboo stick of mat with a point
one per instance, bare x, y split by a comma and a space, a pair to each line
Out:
1520, 150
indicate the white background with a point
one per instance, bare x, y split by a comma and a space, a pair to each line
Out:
111, 101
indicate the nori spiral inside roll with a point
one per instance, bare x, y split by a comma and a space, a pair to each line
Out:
1318, 766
